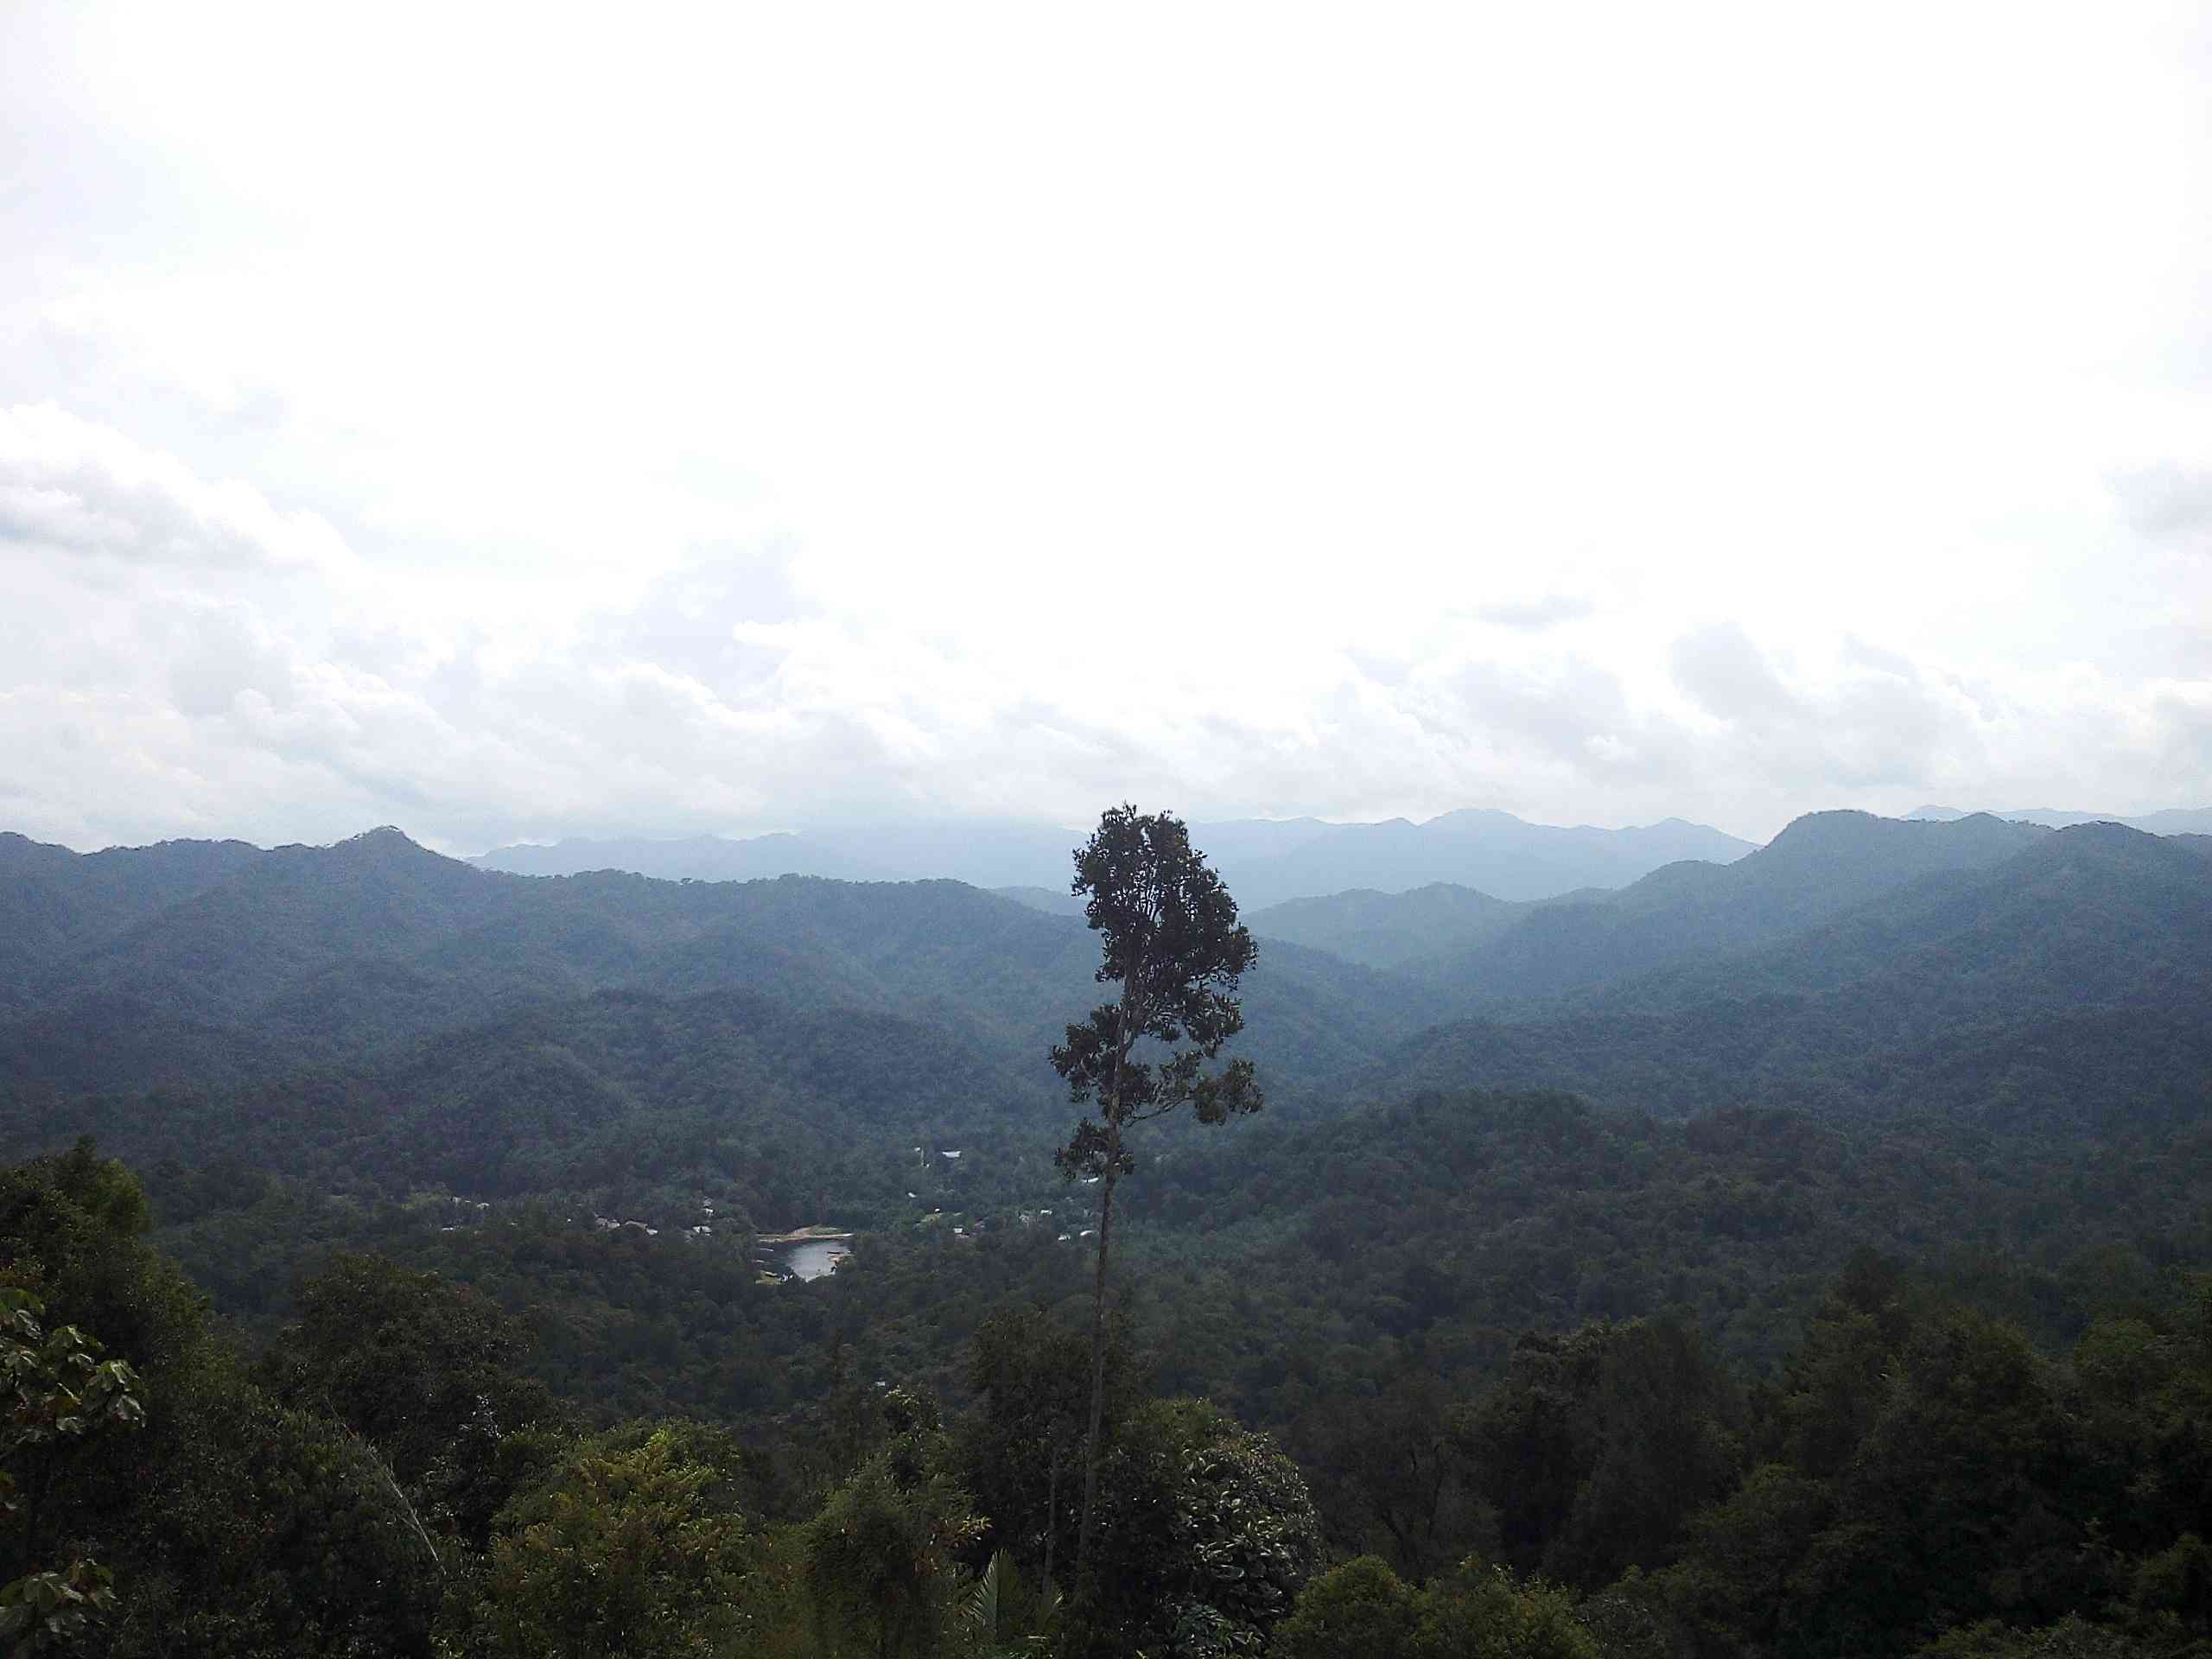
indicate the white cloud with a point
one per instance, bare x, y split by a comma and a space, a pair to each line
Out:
715, 423
2169, 499
1545, 611
241, 696
70, 487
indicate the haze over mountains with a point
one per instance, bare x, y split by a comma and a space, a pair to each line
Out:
1265, 862
1976, 1044
216, 966
1818, 867
2168, 821
235, 963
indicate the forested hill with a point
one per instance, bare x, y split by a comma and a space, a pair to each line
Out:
374, 1018
1489, 949
775, 1110
2074, 977
264, 963
55, 904
1493, 852
1393, 930
1846, 943
1819, 866
2093, 915
1832, 900
2168, 821
1490, 1319
1263, 861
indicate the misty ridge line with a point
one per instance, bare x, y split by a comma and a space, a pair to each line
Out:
1296, 870
424, 937
1266, 862
213, 963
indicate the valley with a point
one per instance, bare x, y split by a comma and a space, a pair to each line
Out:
741, 1151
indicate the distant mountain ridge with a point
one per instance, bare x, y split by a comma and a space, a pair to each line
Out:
2095, 915
2168, 821
2074, 972
1854, 965
1389, 930
1054, 901
1264, 861
1492, 953
300, 957
54, 902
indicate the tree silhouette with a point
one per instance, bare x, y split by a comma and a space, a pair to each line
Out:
1171, 940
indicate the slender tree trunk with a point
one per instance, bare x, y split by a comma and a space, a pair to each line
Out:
1097, 1371
1127, 1028
1051, 1511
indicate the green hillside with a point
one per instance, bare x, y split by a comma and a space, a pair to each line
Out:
1637, 1252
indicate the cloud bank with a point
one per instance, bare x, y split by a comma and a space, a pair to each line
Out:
733, 423
206, 662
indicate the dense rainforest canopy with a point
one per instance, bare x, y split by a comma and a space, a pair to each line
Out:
1802, 1255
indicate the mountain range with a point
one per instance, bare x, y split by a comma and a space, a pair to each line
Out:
1264, 861
2069, 980
2170, 821
1854, 964
1818, 867
1666, 1117
221, 964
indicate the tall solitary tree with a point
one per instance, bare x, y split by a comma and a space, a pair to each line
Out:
1171, 940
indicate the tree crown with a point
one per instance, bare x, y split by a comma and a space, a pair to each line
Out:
1171, 941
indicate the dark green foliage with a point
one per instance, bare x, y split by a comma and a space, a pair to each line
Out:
1394, 1470
634, 1545
264, 1532
1919, 1469
1020, 1449
1596, 1448
1205, 1529
424, 1371
1323, 1265
1486, 1612
2142, 1391
2170, 1593
50, 1611
56, 1393
232, 1526
881, 1559
1645, 1353
1361, 1611
1171, 943
2071, 1638
724, 1089
1953, 1504
1929, 1472
1928, 1479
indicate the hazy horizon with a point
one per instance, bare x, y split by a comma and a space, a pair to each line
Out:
860, 827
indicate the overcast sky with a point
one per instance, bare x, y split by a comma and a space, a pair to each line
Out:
659, 422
